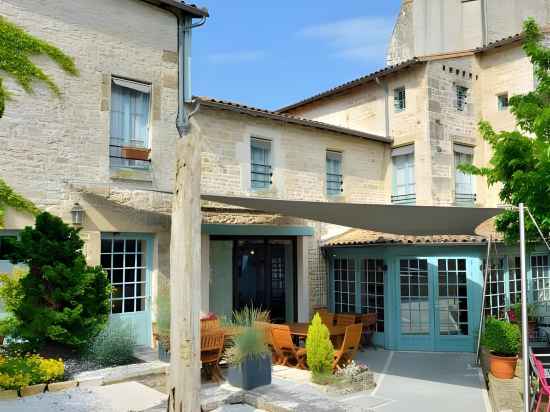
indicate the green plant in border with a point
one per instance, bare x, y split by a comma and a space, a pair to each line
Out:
320, 352
9, 198
16, 48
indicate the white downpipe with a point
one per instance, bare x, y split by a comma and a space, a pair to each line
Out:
524, 334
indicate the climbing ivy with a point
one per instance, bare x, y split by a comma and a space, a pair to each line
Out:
10, 198
16, 48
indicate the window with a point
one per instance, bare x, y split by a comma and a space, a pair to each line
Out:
124, 262
464, 182
495, 302
399, 99
129, 143
514, 281
541, 278
453, 297
335, 182
372, 290
403, 181
344, 285
461, 98
414, 297
503, 102
260, 151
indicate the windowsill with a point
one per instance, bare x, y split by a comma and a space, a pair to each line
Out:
128, 173
336, 198
263, 192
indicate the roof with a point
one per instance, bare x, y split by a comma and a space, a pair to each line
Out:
191, 9
286, 118
404, 65
358, 237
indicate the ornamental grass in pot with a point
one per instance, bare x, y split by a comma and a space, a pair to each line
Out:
502, 339
249, 357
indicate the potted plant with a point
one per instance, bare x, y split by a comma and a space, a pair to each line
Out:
162, 333
502, 339
248, 357
515, 316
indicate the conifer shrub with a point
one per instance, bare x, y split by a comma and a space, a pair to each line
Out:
61, 299
320, 352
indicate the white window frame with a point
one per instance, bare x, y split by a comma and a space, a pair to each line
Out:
257, 184
400, 99
403, 161
501, 106
334, 177
461, 196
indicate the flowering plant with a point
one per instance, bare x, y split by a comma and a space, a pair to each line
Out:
16, 372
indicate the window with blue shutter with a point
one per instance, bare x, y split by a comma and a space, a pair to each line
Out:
461, 98
399, 99
130, 109
335, 180
403, 179
260, 165
464, 182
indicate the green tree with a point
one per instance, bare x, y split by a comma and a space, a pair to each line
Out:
9, 198
16, 49
320, 352
521, 158
61, 299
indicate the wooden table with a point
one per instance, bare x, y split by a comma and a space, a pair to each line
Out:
300, 330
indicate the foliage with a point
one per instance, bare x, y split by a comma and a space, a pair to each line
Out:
61, 299
521, 158
501, 337
8, 197
113, 346
250, 341
17, 372
531, 311
320, 352
16, 49
163, 312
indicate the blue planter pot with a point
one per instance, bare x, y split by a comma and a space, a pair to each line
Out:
164, 353
251, 373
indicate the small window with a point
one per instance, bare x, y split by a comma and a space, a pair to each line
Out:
260, 165
130, 111
464, 182
461, 98
403, 179
399, 99
335, 181
503, 102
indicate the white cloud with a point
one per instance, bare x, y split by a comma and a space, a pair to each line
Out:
243, 56
361, 38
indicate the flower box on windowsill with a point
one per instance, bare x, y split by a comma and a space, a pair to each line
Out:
135, 153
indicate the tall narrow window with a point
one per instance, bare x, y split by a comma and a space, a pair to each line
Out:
403, 181
372, 290
541, 278
129, 143
452, 297
261, 171
344, 285
399, 99
464, 182
461, 98
502, 101
514, 279
335, 181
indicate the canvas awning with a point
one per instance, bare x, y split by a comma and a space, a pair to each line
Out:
397, 219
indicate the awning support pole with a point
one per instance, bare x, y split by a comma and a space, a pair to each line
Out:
524, 334
485, 277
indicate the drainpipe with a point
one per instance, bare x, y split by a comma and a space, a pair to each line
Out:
185, 26
384, 86
484, 24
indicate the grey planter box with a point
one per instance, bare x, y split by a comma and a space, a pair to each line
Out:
164, 353
251, 373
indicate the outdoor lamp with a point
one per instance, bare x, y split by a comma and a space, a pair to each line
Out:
77, 214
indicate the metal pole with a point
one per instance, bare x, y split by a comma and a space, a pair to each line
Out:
524, 334
485, 277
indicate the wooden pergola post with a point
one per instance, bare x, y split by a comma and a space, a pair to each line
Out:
185, 277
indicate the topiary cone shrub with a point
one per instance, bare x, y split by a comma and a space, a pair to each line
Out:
320, 352
61, 299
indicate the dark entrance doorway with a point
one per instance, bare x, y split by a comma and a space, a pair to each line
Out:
264, 276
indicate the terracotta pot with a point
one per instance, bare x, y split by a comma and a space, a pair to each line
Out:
503, 367
135, 153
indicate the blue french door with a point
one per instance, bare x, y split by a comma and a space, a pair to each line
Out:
434, 304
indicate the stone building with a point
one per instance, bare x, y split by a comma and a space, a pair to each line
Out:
394, 136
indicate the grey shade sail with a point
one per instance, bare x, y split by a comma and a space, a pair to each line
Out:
395, 219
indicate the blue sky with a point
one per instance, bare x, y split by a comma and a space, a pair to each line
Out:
268, 53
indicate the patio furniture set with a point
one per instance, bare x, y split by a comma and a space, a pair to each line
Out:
348, 332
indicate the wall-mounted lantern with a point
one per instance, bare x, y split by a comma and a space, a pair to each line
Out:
77, 214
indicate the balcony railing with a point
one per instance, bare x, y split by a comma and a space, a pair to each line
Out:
335, 184
465, 199
120, 161
261, 176
408, 199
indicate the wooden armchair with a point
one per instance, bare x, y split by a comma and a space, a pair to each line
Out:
285, 349
266, 328
346, 319
369, 326
211, 352
327, 318
210, 324
349, 347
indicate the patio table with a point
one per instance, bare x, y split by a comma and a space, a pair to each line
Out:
300, 330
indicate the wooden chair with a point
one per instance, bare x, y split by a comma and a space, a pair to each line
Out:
368, 321
327, 318
211, 352
346, 319
285, 348
349, 347
210, 324
266, 328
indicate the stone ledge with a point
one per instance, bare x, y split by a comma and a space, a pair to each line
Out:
120, 373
